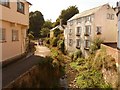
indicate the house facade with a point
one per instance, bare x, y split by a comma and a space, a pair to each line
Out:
118, 14
84, 27
14, 22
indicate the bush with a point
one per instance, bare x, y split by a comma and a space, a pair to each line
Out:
77, 54
71, 55
54, 41
56, 32
95, 44
61, 45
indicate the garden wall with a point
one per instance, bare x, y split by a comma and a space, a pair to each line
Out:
115, 53
28, 79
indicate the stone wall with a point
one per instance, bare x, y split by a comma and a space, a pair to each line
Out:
111, 76
26, 80
115, 53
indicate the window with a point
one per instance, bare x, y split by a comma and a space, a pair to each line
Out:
110, 16
78, 42
70, 42
98, 30
20, 7
87, 30
87, 44
70, 31
88, 18
71, 23
4, 3
78, 31
2, 34
79, 20
15, 35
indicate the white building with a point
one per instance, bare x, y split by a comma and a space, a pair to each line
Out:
118, 14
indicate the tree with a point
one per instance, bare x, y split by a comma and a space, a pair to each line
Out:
57, 32
68, 13
36, 21
45, 32
56, 23
48, 24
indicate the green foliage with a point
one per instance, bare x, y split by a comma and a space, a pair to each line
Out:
48, 24
71, 55
47, 40
61, 45
36, 22
54, 41
45, 32
56, 23
31, 37
68, 13
90, 76
95, 44
57, 32
54, 53
77, 54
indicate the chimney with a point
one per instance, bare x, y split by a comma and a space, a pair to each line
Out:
60, 22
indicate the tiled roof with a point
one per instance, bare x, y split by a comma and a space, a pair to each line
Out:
86, 13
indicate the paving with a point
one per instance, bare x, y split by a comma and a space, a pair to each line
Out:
14, 70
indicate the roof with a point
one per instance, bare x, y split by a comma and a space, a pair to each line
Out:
59, 26
28, 2
86, 13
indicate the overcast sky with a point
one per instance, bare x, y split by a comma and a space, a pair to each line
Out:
51, 8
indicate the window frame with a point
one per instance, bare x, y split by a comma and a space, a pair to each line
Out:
78, 30
87, 31
18, 7
16, 33
78, 44
6, 3
3, 33
87, 44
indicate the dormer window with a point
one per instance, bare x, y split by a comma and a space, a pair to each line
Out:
88, 18
20, 7
4, 3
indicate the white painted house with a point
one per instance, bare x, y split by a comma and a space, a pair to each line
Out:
118, 14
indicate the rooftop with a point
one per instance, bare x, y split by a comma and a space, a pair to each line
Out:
86, 13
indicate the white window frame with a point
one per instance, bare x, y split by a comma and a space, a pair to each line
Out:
88, 29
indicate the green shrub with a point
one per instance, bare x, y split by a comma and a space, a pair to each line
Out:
56, 32
61, 45
54, 41
71, 55
95, 44
77, 54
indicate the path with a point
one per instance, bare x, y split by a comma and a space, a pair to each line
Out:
14, 70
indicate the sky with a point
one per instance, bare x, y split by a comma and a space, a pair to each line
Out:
51, 8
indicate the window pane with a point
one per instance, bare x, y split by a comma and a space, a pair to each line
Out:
2, 34
20, 7
14, 35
